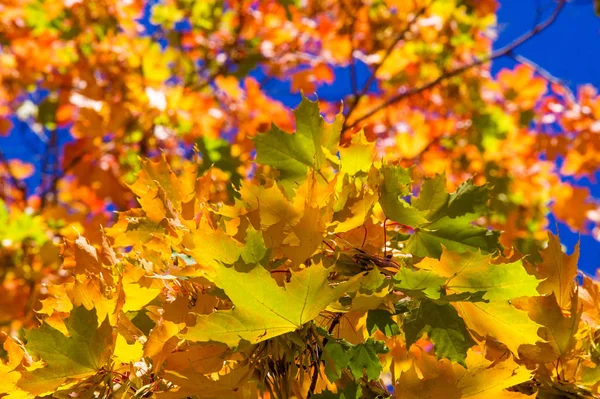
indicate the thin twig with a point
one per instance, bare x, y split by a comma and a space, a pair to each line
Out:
508, 49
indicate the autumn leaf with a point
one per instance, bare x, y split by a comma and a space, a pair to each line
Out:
456, 234
444, 328
473, 272
559, 271
82, 353
294, 154
396, 184
263, 309
479, 379
499, 320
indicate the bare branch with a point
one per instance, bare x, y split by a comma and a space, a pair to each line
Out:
506, 50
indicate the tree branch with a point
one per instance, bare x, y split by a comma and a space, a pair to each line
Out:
506, 50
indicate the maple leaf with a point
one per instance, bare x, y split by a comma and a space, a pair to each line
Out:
450, 218
190, 383
433, 195
479, 379
396, 184
500, 320
294, 154
420, 281
82, 353
473, 272
358, 156
456, 234
127, 353
263, 309
444, 328
559, 271
559, 330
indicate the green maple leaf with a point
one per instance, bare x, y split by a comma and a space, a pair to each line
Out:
395, 185
467, 199
360, 359
450, 218
262, 309
308, 148
352, 390
424, 282
79, 355
254, 251
456, 234
433, 195
364, 360
336, 356
379, 319
444, 327
472, 272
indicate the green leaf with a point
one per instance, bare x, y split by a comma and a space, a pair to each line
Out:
444, 327
364, 360
293, 154
379, 319
79, 355
262, 308
433, 195
424, 282
456, 234
336, 357
468, 199
396, 184
472, 272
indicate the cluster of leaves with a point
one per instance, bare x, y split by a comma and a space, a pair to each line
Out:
328, 276
398, 250
87, 87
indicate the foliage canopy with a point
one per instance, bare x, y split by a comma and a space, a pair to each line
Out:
394, 244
